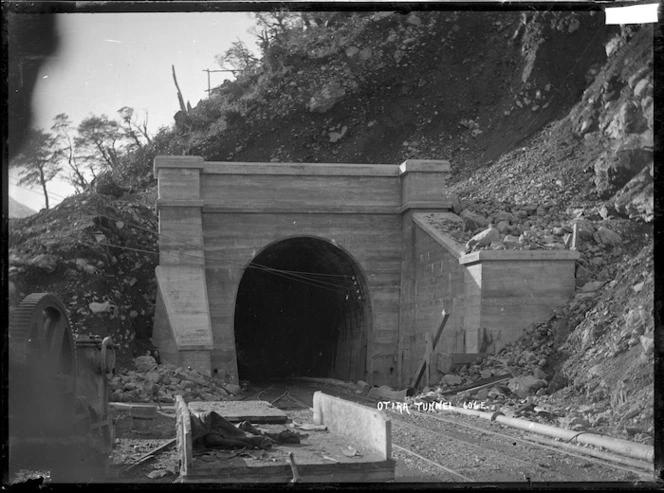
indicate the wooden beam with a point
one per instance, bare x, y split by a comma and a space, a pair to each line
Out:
430, 346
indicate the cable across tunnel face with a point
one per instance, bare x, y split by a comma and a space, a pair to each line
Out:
302, 310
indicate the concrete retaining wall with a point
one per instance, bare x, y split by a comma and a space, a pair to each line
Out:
512, 290
492, 296
432, 281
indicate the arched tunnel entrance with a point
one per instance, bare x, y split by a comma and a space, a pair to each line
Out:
302, 309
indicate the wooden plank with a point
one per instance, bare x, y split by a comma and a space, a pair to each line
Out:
446, 316
313, 473
256, 412
183, 436
425, 364
149, 455
480, 384
427, 358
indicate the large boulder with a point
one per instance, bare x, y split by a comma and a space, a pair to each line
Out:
451, 379
97, 308
145, 363
326, 98
636, 199
607, 236
49, 263
505, 216
559, 381
484, 238
473, 220
629, 119
582, 275
525, 386
613, 170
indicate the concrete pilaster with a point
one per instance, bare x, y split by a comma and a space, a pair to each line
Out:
184, 326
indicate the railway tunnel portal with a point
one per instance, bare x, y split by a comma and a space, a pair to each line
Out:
330, 270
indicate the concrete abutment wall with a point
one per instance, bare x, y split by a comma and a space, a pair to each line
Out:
219, 220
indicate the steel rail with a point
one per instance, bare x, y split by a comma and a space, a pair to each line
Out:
604, 463
491, 450
508, 457
433, 463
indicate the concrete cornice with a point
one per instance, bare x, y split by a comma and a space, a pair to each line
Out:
300, 169
179, 203
523, 255
185, 162
425, 166
299, 209
438, 205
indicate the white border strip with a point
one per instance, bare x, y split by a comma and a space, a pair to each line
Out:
634, 14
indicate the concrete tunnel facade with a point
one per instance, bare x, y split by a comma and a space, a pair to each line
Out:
272, 270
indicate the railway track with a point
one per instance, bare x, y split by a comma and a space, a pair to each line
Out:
466, 449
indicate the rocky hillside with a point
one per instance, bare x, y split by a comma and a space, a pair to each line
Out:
547, 118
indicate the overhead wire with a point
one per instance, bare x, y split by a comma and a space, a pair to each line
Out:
333, 288
50, 194
310, 276
336, 288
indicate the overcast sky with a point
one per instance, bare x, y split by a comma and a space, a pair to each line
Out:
107, 61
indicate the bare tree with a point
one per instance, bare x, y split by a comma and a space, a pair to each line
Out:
128, 128
143, 128
132, 127
100, 138
238, 59
38, 159
66, 149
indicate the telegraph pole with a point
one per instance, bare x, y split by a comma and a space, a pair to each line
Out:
208, 77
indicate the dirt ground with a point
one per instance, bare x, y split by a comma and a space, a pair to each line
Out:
468, 447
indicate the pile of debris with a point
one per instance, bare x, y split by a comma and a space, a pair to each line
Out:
152, 382
500, 226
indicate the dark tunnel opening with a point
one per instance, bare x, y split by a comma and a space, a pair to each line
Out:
302, 310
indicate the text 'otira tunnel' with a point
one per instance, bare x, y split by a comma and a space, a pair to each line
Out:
329, 270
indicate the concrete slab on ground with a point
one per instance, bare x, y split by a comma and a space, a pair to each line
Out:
355, 421
236, 411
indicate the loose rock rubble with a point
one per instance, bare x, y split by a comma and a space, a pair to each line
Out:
151, 382
535, 227
98, 255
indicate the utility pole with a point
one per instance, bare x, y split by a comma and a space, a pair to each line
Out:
208, 77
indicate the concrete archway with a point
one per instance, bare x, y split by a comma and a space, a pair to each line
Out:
302, 309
